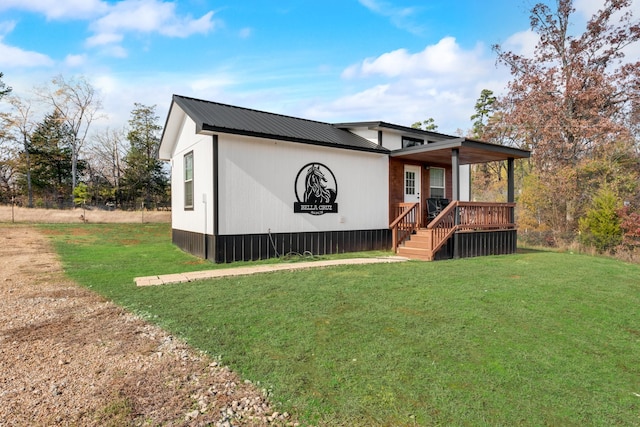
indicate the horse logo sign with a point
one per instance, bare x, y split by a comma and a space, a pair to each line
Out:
316, 190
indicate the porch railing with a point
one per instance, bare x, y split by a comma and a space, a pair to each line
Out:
407, 221
470, 216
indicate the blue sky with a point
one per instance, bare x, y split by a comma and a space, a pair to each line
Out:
398, 61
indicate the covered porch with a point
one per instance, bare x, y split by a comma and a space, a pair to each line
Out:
430, 221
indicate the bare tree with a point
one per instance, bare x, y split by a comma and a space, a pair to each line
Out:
78, 104
8, 160
571, 103
22, 124
108, 150
572, 97
7, 151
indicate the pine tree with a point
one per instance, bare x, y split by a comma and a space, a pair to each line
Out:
50, 152
144, 178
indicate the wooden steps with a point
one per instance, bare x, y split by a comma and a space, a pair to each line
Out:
418, 246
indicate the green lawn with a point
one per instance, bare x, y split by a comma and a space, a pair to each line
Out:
537, 338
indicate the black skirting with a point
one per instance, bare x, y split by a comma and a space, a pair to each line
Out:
467, 244
248, 247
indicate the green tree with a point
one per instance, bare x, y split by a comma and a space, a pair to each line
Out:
80, 197
51, 154
488, 180
600, 227
485, 108
81, 194
4, 89
429, 125
144, 178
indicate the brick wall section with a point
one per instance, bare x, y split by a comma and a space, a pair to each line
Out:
396, 184
448, 182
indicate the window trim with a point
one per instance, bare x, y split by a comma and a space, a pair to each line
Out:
413, 182
188, 182
408, 141
443, 187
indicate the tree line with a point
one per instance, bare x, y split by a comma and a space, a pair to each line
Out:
51, 156
575, 103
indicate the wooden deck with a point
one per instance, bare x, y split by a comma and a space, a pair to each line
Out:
462, 229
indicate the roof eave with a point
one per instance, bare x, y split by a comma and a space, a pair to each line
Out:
472, 151
165, 150
380, 125
210, 129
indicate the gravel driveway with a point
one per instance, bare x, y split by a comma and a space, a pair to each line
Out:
69, 357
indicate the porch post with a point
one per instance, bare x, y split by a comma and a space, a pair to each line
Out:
511, 188
455, 174
510, 181
455, 195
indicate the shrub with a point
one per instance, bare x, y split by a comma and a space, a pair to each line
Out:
600, 227
630, 226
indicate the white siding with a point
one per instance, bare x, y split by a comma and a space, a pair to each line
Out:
465, 183
202, 147
257, 179
391, 141
370, 134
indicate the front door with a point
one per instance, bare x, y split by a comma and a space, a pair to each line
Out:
411, 184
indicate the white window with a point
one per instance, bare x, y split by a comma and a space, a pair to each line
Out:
409, 182
436, 183
411, 142
188, 181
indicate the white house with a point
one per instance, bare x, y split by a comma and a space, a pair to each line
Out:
249, 184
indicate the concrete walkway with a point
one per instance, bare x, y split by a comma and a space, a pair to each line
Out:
266, 268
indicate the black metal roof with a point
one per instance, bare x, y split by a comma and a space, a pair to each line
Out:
215, 117
436, 136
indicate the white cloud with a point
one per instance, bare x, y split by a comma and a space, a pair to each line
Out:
75, 60
587, 8
401, 17
446, 58
442, 81
210, 83
11, 56
185, 27
146, 17
522, 43
151, 16
58, 9
245, 33
103, 39
6, 27
114, 20
115, 51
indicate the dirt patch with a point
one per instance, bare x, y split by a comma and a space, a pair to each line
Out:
69, 357
71, 216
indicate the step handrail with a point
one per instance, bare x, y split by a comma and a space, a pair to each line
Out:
405, 224
443, 226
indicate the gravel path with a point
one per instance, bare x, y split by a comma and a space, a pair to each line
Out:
69, 357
